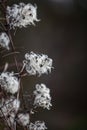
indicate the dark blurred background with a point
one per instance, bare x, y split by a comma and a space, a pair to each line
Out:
62, 34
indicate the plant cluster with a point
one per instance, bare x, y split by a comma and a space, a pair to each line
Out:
13, 110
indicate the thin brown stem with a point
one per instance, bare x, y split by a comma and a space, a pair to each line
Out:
2, 19
12, 53
3, 27
23, 75
13, 48
11, 65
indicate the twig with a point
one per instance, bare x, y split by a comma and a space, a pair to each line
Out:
11, 65
3, 27
12, 53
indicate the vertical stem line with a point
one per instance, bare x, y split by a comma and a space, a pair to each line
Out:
13, 48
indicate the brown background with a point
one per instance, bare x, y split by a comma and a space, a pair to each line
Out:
62, 34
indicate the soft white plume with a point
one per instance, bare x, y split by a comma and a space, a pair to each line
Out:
38, 125
36, 64
4, 40
23, 119
42, 96
21, 15
9, 82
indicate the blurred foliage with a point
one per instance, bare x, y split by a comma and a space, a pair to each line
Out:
1, 126
80, 124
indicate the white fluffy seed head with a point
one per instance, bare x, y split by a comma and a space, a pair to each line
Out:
23, 119
21, 15
42, 96
36, 64
4, 40
7, 106
9, 82
38, 125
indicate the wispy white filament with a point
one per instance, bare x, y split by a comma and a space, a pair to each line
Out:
9, 105
4, 40
9, 82
36, 64
42, 96
23, 119
38, 125
21, 15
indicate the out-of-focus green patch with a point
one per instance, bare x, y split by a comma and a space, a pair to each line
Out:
1, 126
80, 124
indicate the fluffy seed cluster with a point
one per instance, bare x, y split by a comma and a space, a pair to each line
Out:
9, 82
21, 15
36, 64
4, 40
42, 96
23, 119
38, 125
9, 106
